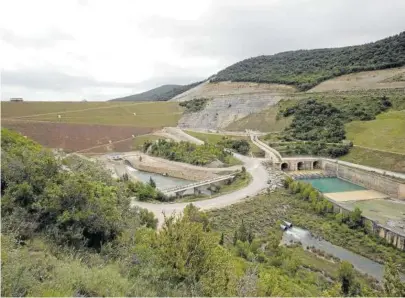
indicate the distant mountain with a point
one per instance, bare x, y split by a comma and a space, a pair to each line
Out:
161, 93
307, 68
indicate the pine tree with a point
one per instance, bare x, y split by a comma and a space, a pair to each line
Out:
221, 241
152, 182
243, 233
235, 238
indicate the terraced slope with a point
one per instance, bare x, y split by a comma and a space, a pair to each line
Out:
230, 102
229, 90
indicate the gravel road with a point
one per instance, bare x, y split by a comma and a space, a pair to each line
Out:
254, 166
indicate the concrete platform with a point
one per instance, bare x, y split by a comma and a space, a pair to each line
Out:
357, 195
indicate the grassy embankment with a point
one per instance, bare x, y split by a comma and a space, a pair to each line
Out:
386, 133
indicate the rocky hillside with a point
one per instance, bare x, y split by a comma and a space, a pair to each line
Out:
307, 68
229, 101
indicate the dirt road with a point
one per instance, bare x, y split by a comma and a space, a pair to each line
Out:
259, 182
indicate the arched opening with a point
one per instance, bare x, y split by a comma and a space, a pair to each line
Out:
300, 166
284, 166
316, 165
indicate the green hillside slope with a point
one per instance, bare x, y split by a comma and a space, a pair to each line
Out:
307, 68
161, 93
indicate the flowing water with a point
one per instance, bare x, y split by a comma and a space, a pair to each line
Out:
361, 263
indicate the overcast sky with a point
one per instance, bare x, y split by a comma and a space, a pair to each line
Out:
98, 50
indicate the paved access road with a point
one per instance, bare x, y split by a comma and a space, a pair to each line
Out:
254, 166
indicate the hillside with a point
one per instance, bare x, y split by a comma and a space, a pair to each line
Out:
162, 93
96, 126
307, 68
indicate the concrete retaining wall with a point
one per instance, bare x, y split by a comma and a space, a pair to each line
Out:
391, 236
367, 179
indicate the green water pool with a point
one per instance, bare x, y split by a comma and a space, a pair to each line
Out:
326, 185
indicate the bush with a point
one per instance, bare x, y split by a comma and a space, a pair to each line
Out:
189, 152
240, 146
83, 206
194, 105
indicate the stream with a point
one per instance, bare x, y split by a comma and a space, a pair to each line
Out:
361, 263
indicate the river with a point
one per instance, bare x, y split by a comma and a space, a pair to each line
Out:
361, 263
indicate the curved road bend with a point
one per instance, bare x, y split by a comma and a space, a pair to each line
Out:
254, 166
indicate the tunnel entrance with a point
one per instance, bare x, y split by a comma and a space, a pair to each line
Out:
284, 166
316, 165
300, 166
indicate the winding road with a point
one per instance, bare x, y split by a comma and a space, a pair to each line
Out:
254, 166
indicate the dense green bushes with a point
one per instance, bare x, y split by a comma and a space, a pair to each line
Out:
315, 120
241, 146
307, 68
312, 148
188, 152
80, 206
194, 105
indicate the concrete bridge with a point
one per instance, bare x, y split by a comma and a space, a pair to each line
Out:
286, 163
179, 190
269, 152
298, 163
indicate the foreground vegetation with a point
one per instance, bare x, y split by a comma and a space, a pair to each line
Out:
189, 153
68, 231
307, 68
264, 211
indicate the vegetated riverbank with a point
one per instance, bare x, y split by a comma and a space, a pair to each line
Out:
263, 212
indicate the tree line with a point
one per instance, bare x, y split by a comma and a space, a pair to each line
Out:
307, 68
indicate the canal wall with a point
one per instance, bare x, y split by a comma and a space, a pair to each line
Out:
392, 236
366, 178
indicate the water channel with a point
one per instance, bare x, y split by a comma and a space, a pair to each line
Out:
361, 263
161, 181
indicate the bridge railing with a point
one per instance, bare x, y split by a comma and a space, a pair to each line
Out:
199, 183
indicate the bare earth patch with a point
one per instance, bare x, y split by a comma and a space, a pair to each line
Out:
74, 137
376, 79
